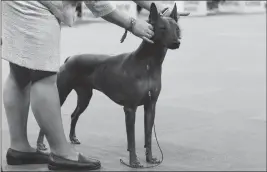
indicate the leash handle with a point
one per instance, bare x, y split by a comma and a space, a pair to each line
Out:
133, 22
124, 36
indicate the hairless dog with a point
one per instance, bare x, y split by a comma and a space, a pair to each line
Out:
130, 80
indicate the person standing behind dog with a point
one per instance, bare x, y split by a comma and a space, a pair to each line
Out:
31, 45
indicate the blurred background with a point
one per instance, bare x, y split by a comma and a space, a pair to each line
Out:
211, 113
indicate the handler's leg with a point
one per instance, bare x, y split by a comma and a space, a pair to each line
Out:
46, 108
16, 100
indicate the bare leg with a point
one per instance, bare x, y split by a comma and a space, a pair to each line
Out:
64, 88
46, 108
16, 102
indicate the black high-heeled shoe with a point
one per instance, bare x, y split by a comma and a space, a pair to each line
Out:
15, 157
83, 163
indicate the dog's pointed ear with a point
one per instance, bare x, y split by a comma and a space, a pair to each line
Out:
174, 13
153, 16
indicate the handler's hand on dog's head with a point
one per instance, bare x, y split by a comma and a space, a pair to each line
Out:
144, 30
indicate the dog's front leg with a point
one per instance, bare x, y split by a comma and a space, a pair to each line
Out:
130, 129
150, 109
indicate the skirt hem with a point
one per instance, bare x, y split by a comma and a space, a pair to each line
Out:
29, 66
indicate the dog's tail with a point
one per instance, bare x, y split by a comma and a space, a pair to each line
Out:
66, 59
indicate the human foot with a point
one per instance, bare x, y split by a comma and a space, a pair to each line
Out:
32, 156
80, 162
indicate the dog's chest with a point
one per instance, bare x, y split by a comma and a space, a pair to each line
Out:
148, 79
129, 85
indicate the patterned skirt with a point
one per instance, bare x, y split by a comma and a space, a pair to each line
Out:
31, 35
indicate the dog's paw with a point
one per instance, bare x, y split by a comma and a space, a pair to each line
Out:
152, 160
136, 164
75, 141
41, 146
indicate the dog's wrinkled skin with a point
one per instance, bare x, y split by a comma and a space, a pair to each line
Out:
130, 80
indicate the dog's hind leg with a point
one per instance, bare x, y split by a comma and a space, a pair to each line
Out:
84, 95
40, 141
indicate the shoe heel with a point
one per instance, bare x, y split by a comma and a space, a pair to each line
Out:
13, 161
52, 167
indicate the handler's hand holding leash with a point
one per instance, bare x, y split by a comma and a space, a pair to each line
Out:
137, 28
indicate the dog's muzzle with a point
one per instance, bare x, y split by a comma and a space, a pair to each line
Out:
175, 45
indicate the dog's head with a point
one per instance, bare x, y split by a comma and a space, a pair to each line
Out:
166, 29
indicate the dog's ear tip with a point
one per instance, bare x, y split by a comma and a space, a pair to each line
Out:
153, 8
153, 5
175, 6
153, 16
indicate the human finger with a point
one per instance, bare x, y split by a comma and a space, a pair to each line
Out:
148, 40
150, 33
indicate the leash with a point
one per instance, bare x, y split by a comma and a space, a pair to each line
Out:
128, 165
124, 36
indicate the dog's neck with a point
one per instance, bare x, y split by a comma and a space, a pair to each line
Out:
155, 52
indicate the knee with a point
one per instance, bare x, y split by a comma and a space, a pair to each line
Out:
9, 84
9, 99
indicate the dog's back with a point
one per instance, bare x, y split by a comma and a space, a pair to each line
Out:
67, 59
87, 63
